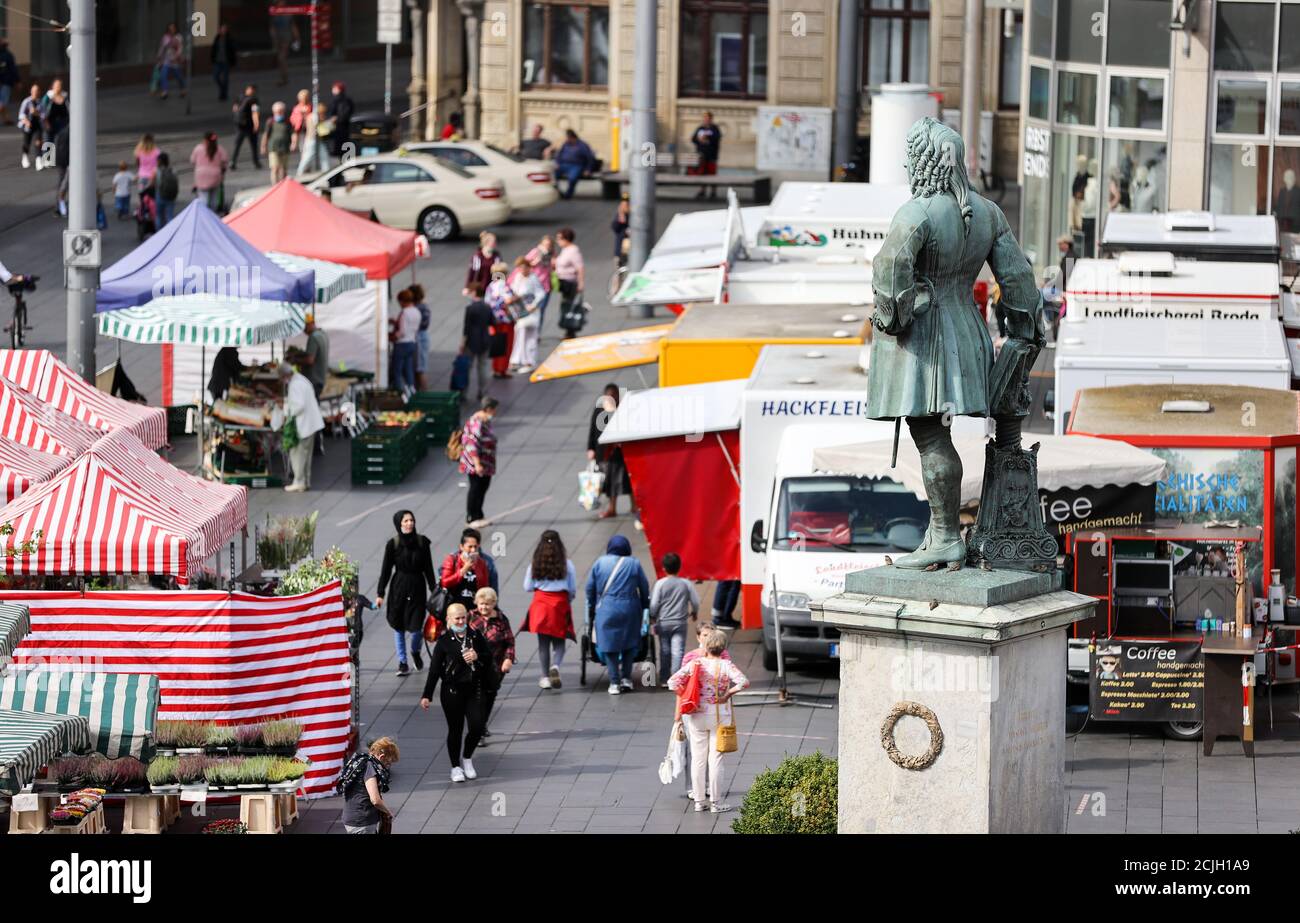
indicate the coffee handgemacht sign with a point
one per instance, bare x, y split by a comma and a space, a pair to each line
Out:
1147, 680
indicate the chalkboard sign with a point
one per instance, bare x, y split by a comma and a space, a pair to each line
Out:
1147, 681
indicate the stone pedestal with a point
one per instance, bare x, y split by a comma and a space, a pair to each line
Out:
967, 669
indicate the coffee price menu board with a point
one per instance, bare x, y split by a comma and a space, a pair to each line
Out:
1147, 681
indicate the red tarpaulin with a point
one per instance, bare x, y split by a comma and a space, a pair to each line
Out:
289, 219
688, 493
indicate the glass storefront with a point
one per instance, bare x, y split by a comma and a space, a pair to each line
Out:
1099, 87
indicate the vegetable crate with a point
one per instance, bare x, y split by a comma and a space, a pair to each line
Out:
441, 413
386, 455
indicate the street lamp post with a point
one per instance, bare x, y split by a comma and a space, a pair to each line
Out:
82, 279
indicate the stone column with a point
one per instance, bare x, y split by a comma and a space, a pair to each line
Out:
952, 700
416, 89
1190, 93
472, 10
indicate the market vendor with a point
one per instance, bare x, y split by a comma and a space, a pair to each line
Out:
315, 361
226, 368
302, 422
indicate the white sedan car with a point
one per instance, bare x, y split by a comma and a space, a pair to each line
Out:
411, 191
530, 184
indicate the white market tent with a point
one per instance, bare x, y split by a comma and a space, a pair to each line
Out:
1064, 463
682, 410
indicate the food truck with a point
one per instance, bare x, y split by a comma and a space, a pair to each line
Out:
1151, 318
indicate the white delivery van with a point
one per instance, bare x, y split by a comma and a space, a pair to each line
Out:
1148, 318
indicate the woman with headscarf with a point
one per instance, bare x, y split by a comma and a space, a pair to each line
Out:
618, 595
609, 457
408, 562
462, 661
553, 581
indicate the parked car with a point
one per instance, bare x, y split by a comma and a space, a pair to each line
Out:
374, 133
405, 190
530, 184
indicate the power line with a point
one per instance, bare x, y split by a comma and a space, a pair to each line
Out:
59, 26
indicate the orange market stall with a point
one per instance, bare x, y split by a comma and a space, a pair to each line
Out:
603, 352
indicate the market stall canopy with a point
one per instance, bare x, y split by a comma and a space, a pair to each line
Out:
31, 423
195, 252
290, 219
121, 709
21, 467
1064, 463
686, 410
120, 509
672, 286
603, 352
697, 240
1140, 410
15, 624
29, 740
40, 373
332, 279
205, 320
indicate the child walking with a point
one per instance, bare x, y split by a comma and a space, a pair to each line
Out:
673, 603
122, 181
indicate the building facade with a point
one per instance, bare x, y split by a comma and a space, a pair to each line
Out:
1121, 112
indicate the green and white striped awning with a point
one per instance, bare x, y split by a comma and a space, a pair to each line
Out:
15, 624
29, 740
121, 708
205, 320
332, 279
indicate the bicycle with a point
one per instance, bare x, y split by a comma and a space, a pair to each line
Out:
17, 286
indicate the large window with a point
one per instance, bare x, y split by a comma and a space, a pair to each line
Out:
724, 48
566, 44
1009, 65
1243, 36
896, 42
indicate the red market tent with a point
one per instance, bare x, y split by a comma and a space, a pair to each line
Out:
32, 423
40, 373
290, 219
682, 449
22, 467
120, 509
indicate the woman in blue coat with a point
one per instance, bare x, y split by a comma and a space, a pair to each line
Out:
617, 596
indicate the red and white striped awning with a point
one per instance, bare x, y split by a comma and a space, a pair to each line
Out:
31, 422
21, 467
38, 371
120, 509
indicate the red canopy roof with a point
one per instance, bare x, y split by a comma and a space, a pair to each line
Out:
292, 220
33, 423
21, 467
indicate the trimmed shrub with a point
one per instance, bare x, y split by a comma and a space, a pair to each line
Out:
799, 796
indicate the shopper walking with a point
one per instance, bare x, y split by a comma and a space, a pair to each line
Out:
210, 160
702, 632
572, 276
298, 117
610, 457
478, 458
278, 141
527, 297
248, 125
719, 680
302, 413
54, 110
501, 300
146, 156
315, 156
553, 581
362, 782
617, 596
170, 60
465, 571
542, 259
573, 160
674, 605
422, 341
406, 581
122, 182
489, 621
476, 338
402, 362
340, 111
30, 124
725, 596
168, 188
481, 263
463, 662
225, 55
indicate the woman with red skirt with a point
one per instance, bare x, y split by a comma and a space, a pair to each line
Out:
553, 581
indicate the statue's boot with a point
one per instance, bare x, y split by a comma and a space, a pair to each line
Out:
941, 472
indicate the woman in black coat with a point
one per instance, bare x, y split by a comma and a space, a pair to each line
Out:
463, 661
609, 457
408, 562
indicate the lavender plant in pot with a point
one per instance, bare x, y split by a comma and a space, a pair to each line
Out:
69, 773
190, 772
129, 775
249, 738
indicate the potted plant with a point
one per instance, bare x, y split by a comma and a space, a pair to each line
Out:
162, 776
227, 826
223, 774
254, 773
100, 773
190, 772
128, 775
192, 737
221, 739
164, 737
285, 775
69, 773
280, 738
249, 738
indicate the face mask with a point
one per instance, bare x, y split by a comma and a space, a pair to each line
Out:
280, 118
459, 629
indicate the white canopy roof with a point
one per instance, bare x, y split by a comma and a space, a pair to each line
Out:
681, 410
1136, 230
694, 240
1064, 463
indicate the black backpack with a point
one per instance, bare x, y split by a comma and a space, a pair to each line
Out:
244, 114
169, 186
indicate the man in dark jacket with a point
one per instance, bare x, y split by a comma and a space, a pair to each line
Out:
248, 124
340, 110
224, 56
476, 336
708, 141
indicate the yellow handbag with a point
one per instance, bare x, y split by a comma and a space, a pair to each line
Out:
725, 735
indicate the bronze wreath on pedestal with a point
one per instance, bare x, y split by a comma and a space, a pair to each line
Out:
916, 710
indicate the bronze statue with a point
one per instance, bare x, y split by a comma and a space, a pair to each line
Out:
932, 356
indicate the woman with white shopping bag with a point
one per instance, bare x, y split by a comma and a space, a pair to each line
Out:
706, 686
527, 296
609, 457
